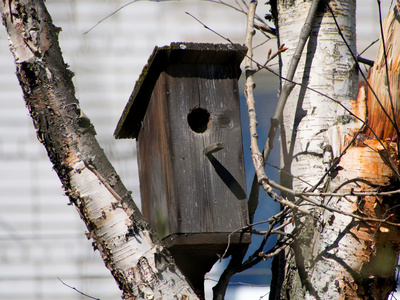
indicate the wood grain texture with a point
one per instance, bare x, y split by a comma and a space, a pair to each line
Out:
184, 190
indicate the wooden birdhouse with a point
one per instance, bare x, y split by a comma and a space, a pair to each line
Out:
184, 114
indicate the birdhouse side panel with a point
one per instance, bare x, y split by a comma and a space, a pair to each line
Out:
155, 166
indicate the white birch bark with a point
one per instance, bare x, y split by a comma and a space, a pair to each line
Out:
137, 257
327, 66
141, 266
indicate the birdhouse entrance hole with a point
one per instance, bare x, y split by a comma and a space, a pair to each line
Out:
198, 119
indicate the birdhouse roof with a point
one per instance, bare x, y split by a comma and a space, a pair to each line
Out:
177, 53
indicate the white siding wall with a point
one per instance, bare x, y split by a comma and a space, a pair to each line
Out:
41, 237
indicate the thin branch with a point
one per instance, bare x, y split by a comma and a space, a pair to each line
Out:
276, 251
265, 28
362, 73
329, 208
387, 76
369, 46
208, 28
273, 221
237, 256
352, 193
110, 15
263, 43
239, 283
232, 268
248, 91
281, 243
240, 9
281, 170
75, 289
271, 57
392, 164
365, 61
336, 160
262, 27
288, 85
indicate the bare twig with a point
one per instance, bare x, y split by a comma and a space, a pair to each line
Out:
271, 254
387, 77
237, 257
394, 167
336, 160
370, 45
265, 28
352, 193
365, 61
239, 283
271, 56
110, 15
258, 160
287, 239
288, 173
75, 289
273, 221
329, 208
262, 27
288, 85
208, 28
392, 164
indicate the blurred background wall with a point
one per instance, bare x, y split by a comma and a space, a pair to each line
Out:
41, 237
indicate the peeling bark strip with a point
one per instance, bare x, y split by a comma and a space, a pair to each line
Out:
141, 266
388, 94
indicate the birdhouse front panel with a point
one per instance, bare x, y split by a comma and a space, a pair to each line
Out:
208, 128
185, 115
193, 173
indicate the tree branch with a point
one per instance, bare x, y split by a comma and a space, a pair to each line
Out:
141, 266
288, 85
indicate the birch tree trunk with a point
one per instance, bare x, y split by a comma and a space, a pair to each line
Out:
345, 253
326, 65
142, 268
